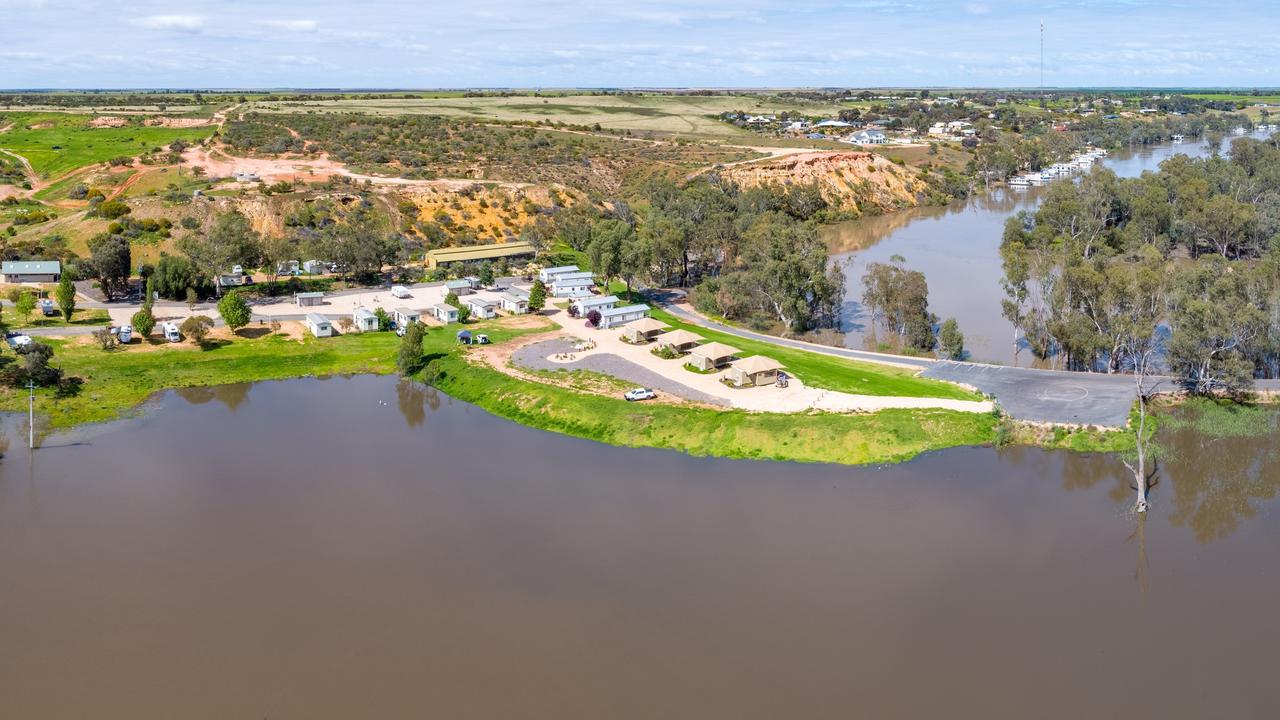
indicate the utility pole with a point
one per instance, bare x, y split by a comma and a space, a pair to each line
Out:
31, 415
1042, 62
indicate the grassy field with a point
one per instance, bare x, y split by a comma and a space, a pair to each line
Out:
833, 373
664, 114
885, 436
82, 316
57, 143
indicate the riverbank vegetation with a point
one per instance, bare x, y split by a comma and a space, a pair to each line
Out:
1182, 263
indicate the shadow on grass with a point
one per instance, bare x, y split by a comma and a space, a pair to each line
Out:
68, 387
207, 345
253, 333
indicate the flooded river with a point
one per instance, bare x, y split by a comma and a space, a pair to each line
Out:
360, 548
957, 247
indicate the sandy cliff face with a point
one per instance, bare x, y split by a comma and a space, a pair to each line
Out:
857, 181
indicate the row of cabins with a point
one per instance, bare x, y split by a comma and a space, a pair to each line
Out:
754, 370
567, 281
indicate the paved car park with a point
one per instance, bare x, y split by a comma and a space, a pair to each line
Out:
1073, 398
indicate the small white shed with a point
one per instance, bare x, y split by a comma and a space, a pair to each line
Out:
319, 325
482, 309
445, 313
516, 304
306, 299
403, 316
364, 319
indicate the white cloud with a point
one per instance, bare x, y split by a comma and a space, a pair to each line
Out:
977, 8
176, 23
293, 25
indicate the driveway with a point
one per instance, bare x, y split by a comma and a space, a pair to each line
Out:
535, 357
1071, 398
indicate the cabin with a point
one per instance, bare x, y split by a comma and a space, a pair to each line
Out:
712, 356
319, 325
615, 316
547, 275
364, 319
584, 305
307, 299
403, 316
459, 287
642, 330
514, 301
754, 371
18, 272
479, 253
572, 287
483, 309
445, 313
678, 340
314, 267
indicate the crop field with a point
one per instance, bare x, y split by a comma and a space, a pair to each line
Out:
57, 143
662, 114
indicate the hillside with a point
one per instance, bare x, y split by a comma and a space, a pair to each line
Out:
858, 182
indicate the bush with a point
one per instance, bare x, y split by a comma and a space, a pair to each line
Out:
112, 209
197, 327
144, 322
234, 310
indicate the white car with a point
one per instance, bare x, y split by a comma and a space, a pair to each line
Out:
640, 394
125, 334
17, 341
237, 270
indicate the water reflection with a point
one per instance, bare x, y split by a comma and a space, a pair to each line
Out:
957, 247
385, 557
1217, 483
232, 396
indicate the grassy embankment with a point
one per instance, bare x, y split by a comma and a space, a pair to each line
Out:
118, 381
830, 372
57, 143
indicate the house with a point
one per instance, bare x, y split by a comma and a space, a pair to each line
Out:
642, 330
30, 271
305, 299
584, 305
319, 325
473, 254
483, 309
403, 316
546, 275
459, 287
445, 313
364, 319
615, 316
514, 301
711, 356
754, 370
678, 340
867, 137
572, 287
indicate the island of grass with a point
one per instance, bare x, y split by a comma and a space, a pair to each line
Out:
58, 143
115, 382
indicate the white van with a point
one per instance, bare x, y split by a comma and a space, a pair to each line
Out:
171, 332
400, 291
125, 334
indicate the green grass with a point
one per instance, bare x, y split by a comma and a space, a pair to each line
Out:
832, 373
885, 436
70, 143
82, 316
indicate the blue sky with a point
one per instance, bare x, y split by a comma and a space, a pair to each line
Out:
633, 43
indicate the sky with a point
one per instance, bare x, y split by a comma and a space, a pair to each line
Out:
636, 43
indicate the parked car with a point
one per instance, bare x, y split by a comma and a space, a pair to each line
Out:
640, 394
480, 340
125, 334
237, 269
47, 307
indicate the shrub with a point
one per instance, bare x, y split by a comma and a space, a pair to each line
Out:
144, 322
197, 327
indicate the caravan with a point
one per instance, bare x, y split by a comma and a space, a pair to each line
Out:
171, 333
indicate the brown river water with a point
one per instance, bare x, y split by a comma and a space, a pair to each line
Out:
957, 247
362, 548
